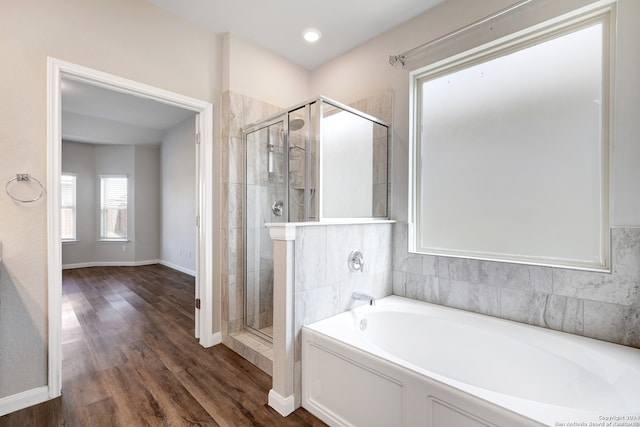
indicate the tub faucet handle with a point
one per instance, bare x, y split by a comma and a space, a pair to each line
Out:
356, 261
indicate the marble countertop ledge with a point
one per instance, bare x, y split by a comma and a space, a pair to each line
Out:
287, 230
341, 221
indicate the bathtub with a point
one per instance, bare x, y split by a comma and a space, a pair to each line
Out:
407, 363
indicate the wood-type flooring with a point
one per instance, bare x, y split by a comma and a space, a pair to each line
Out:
130, 359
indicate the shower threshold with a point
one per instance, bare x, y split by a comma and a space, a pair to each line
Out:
254, 348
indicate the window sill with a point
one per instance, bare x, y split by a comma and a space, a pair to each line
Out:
113, 240
70, 242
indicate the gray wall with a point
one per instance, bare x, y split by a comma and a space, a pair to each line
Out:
23, 361
116, 160
142, 166
147, 204
81, 159
162, 198
178, 201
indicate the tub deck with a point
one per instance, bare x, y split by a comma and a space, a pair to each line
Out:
366, 367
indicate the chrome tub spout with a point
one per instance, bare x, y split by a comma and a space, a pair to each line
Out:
358, 296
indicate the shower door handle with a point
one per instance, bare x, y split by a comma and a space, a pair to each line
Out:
278, 208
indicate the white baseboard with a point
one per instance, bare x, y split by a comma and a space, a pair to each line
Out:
213, 339
177, 267
129, 264
110, 264
283, 405
23, 400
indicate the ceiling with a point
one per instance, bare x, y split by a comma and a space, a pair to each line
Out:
277, 25
96, 115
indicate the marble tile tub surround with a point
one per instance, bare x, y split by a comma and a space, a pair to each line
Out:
605, 306
323, 281
321, 284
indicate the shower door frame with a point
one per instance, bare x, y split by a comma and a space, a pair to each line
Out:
313, 136
263, 124
320, 158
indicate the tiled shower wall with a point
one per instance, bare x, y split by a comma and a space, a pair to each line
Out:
605, 306
237, 111
380, 106
262, 190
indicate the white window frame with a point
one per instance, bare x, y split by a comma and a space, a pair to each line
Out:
73, 206
101, 236
604, 14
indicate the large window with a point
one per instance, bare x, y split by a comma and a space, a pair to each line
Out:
510, 147
113, 207
68, 207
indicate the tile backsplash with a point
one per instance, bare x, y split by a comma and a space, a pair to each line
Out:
605, 306
323, 281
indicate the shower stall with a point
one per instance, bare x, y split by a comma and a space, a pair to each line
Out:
317, 161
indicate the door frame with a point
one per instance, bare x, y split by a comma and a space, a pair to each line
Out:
206, 236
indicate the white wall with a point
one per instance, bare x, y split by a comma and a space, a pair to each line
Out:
366, 70
128, 38
178, 178
256, 72
626, 131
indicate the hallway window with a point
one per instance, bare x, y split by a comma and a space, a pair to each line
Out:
68, 207
113, 207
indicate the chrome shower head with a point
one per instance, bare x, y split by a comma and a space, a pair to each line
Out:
296, 124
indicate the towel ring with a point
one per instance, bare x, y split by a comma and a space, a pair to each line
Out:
23, 177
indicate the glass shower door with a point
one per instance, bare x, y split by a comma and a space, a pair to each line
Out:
265, 196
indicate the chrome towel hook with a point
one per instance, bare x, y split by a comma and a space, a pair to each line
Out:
23, 177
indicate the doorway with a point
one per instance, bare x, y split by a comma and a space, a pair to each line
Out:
206, 296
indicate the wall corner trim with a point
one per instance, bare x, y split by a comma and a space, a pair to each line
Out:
282, 231
283, 405
211, 340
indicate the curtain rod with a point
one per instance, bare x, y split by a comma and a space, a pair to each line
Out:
401, 58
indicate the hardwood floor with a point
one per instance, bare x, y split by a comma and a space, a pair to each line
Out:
130, 359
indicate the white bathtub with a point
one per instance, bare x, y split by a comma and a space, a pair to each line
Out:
407, 363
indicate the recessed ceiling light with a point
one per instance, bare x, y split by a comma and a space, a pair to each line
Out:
311, 35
